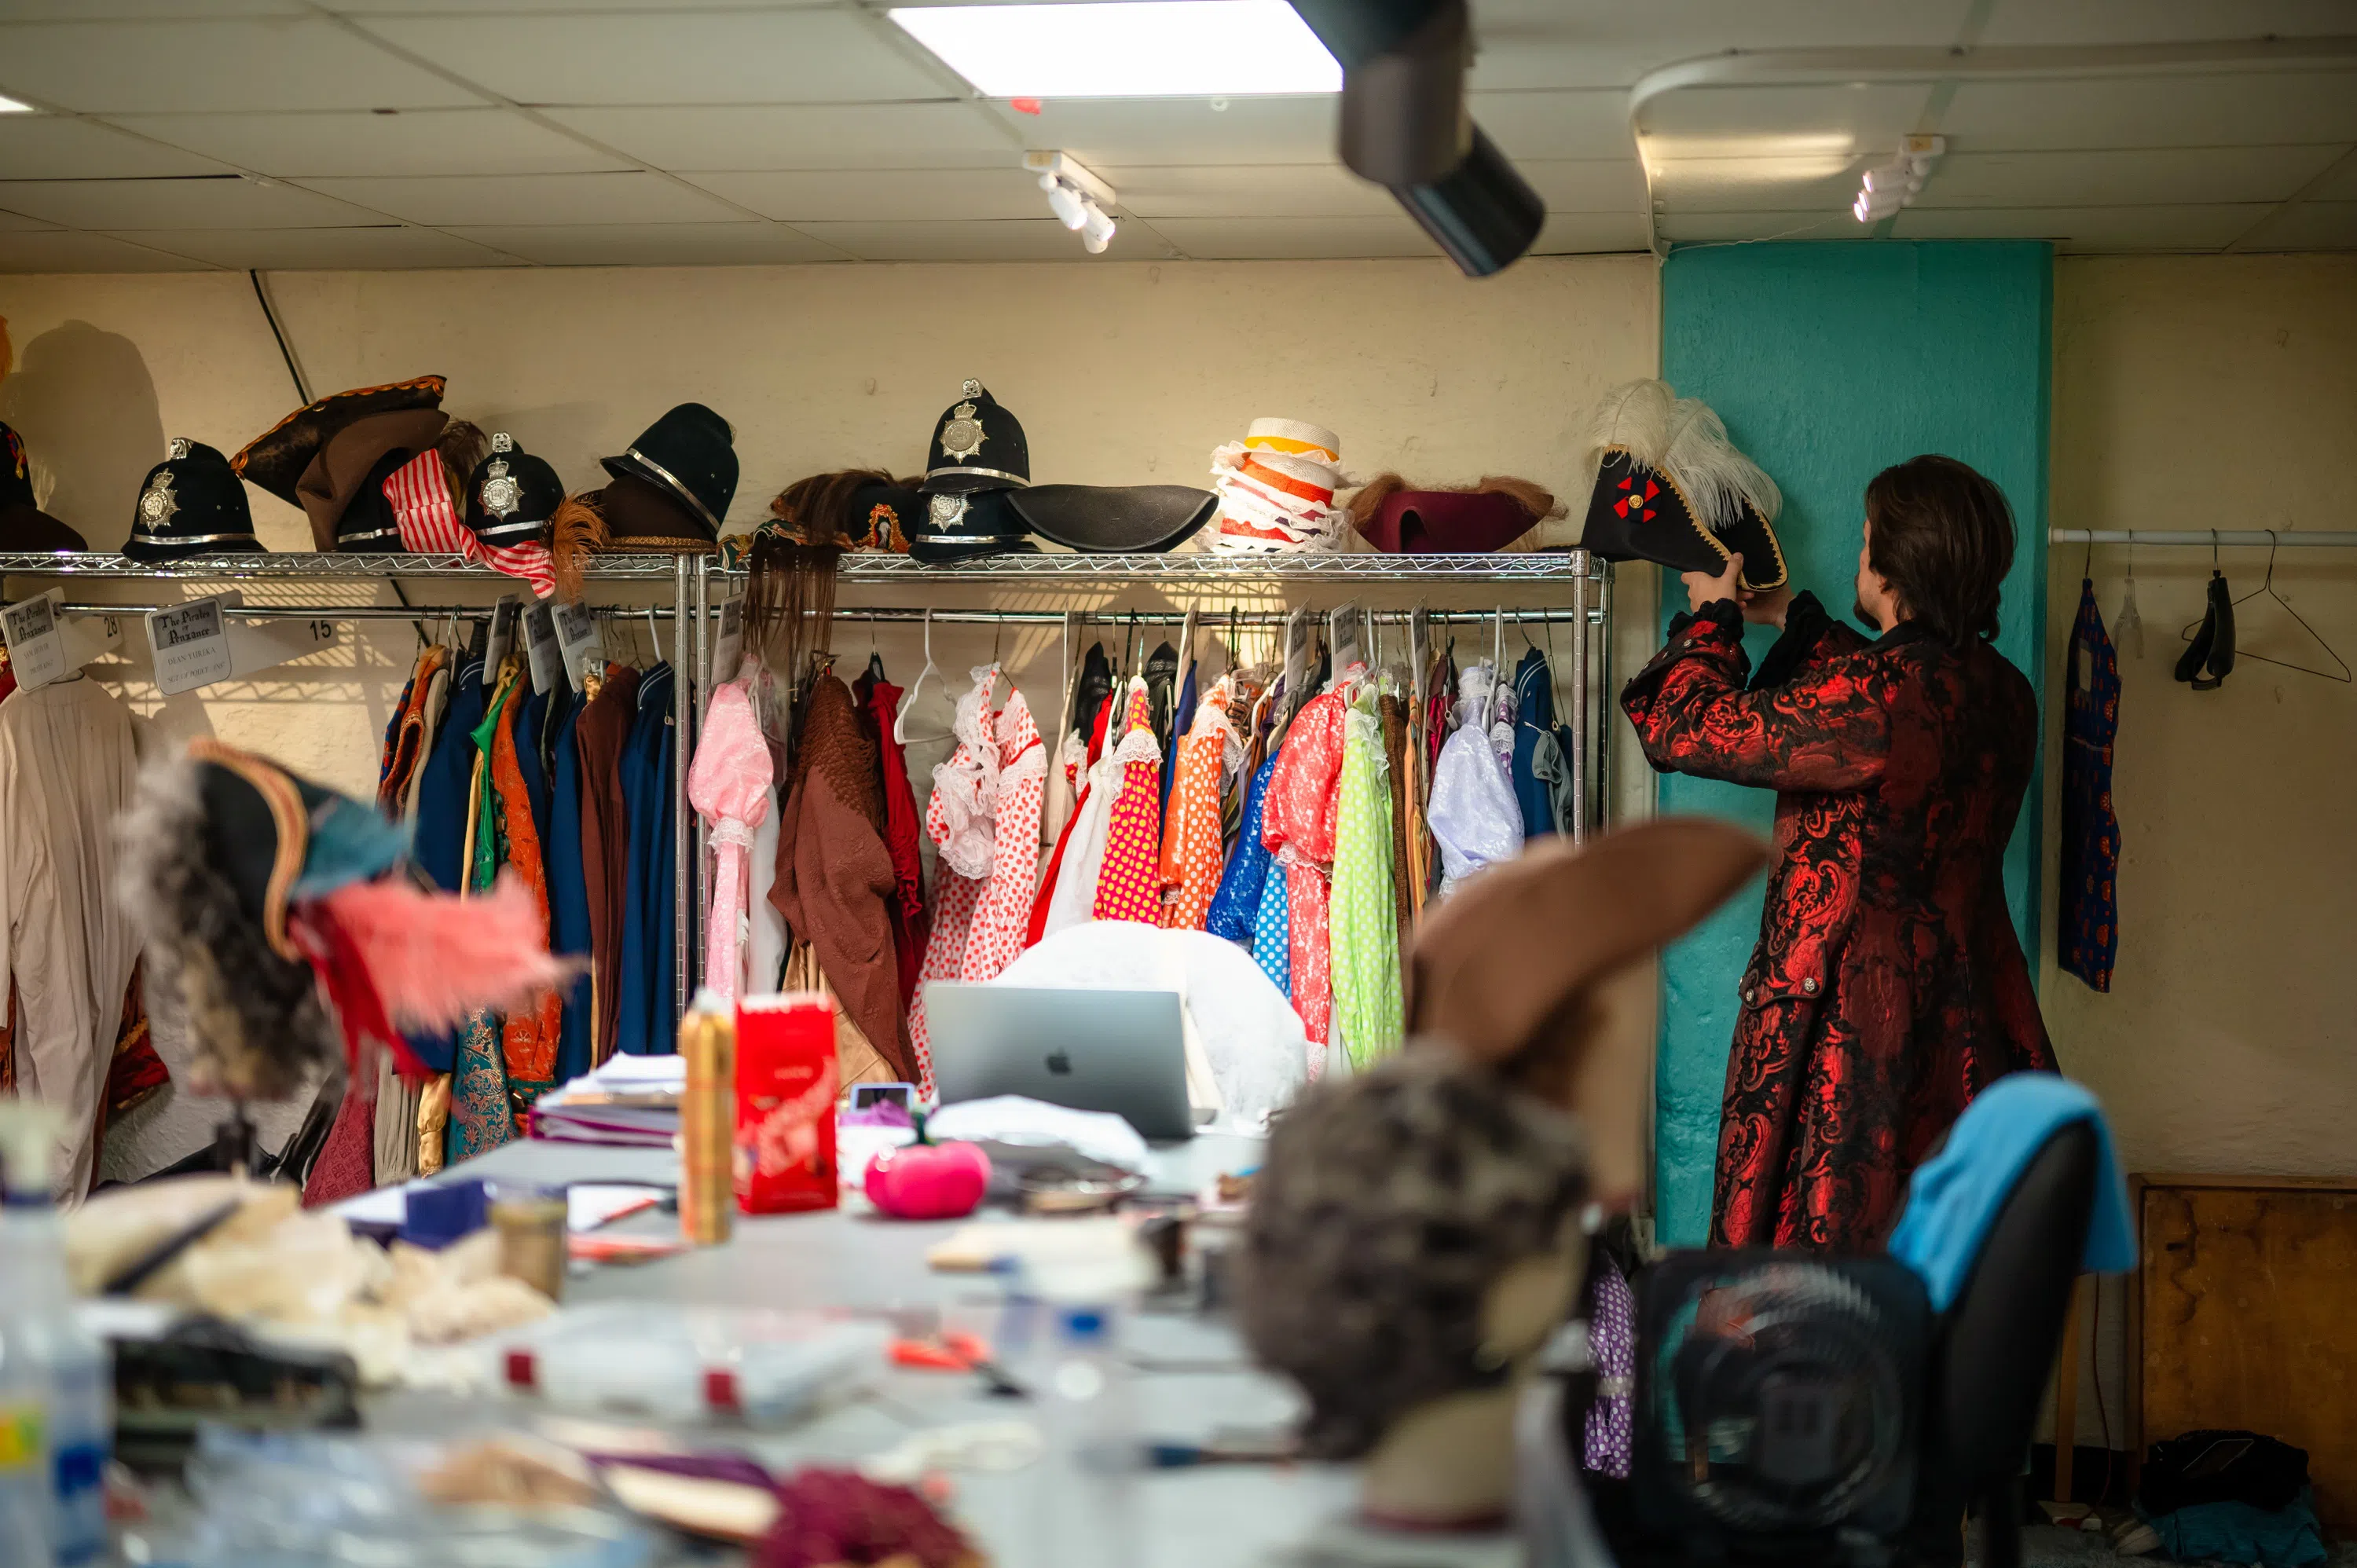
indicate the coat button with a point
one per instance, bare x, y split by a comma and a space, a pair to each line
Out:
1749, 994
1809, 986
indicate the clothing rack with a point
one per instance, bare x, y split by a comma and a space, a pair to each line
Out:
2238, 538
693, 581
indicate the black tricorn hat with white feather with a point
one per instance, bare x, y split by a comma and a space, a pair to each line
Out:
1670, 487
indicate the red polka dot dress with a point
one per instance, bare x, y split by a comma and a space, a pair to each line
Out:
1129, 883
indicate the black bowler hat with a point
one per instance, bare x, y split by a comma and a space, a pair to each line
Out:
1671, 488
977, 445
512, 495
690, 454
23, 526
1116, 519
192, 503
962, 527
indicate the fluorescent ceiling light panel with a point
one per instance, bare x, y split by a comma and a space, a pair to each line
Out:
1134, 48
10, 106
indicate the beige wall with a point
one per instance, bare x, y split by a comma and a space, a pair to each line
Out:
1121, 372
2214, 393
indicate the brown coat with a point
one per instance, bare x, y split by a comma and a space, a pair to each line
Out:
835, 881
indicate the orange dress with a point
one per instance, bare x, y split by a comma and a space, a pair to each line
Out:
1192, 841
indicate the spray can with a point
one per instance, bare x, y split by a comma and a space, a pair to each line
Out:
707, 1122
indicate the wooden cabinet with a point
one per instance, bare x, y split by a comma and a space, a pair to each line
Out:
2245, 1315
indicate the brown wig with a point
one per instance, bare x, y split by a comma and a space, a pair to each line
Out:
1941, 534
790, 591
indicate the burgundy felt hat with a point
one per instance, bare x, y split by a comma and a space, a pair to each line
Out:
1490, 516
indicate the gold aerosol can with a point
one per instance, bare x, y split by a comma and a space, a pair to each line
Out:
707, 1122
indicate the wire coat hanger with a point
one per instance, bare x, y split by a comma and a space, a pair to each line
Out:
2268, 588
901, 720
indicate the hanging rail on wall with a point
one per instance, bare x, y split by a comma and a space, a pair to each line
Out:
692, 581
2238, 538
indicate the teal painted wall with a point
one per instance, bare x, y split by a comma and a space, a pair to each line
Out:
1829, 362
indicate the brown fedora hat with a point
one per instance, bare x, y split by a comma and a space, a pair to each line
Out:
1518, 967
370, 447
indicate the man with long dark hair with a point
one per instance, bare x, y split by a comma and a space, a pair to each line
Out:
1887, 987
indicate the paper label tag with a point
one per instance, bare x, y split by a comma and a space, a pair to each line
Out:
36, 651
578, 640
190, 644
541, 650
731, 646
1346, 634
504, 615
1296, 657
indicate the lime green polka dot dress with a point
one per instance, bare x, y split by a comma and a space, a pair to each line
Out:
1363, 914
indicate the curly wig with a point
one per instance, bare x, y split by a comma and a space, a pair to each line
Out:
1388, 1204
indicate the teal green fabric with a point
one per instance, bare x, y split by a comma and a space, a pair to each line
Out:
1829, 361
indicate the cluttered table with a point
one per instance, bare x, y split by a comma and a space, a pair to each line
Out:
1191, 1380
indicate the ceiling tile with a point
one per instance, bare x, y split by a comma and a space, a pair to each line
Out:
49, 146
1799, 183
223, 202
1686, 228
2306, 226
336, 250
2340, 181
884, 194
2154, 112
143, 10
170, 66
2171, 176
689, 57
1590, 124
998, 240
527, 8
1818, 120
1291, 239
1588, 185
22, 224
1571, 233
347, 142
2189, 227
60, 251
802, 136
1184, 130
655, 244
456, 200
1549, 44
2162, 21
1237, 190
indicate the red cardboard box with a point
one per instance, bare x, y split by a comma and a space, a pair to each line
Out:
786, 1083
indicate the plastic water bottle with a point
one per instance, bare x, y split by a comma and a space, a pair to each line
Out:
1088, 1507
24, 1504
63, 1364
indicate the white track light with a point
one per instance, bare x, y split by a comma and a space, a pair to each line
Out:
1099, 232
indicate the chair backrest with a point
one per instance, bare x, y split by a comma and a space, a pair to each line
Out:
1999, 1336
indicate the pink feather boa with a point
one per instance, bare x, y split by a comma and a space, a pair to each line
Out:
436, 958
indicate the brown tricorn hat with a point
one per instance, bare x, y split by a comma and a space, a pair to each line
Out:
1516, 967
276, 459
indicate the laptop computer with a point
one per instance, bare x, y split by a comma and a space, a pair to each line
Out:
1119, 1051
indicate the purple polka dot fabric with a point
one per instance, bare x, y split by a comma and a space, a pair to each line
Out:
1612, 1341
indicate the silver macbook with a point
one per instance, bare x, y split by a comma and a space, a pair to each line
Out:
1089, 1050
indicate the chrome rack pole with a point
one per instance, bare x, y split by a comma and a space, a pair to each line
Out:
682, 717
1606, 700
1579, 706
702, 943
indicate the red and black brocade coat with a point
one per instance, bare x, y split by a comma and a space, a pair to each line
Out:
1887, 987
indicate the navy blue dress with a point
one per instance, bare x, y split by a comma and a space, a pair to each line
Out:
568, 890
644, 1020
439, 847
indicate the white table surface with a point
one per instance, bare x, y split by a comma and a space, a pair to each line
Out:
1193, 1376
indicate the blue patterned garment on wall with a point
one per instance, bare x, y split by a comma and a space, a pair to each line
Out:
2090, 935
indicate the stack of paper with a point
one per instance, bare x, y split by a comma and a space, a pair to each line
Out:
630, 1102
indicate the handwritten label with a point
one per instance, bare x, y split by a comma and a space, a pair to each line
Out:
191, 645
731, 646
541, 650
578, 641
504, 615
36, 651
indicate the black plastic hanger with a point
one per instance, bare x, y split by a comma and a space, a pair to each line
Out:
2267, 589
